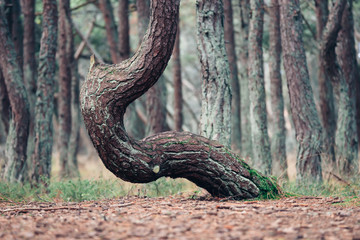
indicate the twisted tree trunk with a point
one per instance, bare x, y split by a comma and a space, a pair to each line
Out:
109, 89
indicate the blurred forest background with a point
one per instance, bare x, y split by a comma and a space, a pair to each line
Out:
102, 27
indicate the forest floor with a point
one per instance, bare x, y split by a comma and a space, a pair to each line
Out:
183, 218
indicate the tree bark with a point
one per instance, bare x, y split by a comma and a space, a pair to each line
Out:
15, 162
44, 108
346, 135
123, 29
258, 115
216, 91
235, 85
278, 140
72, 169
178, 99
111, 29
246, 143
307, 124
109, 89
156, 96
64, 100
327, 108
5, 108
29, 66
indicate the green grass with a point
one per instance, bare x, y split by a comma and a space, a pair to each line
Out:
82, 190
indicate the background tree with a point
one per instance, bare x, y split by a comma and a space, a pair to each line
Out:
258, 116
123, 29
246, 142
346, 135
278, 140
307, 124
178, 99
64, 99
44, 108
216, 92
235, 85
327, 108
16, 143
202, 161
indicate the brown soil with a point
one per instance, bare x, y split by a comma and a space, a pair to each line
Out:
181, 218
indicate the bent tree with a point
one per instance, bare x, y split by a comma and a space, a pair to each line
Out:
109, 89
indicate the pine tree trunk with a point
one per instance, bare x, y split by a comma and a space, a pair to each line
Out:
216, 91
64, 99
346, 135
235, 85
5, 109
16, 143
109, 89
258, 115
156, 96
278, 140
123, 29
111, 29
178, 99
246, 143
44, 108
327, 108
72, 169
307, 124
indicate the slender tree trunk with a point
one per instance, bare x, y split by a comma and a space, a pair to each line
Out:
72, 163
327, 108
15, 162
44, 108
30, 69
156, 97
246, 143
16, 29
346, 135
5, 108
178, 99
29, 66
64, 100
216, 91
111, 30
258, 118
123, 29
235, 84
278, 140
307, 124
196, 158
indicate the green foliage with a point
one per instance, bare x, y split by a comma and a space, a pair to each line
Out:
162, 187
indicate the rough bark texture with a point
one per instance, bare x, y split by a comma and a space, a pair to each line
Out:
327, 108
278, 140
307, 124
346, 135
235, 84
64, 100
258, 116
246, 143
111, 30
178, 100
123, 29
44, 109
16, 143
216, 90
109, 89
